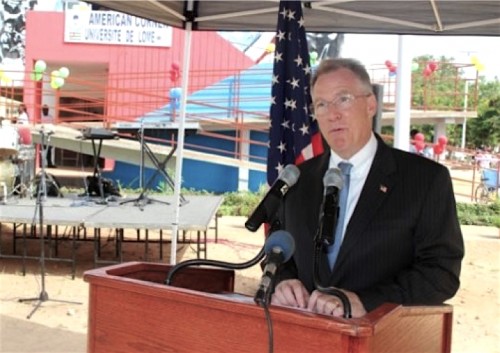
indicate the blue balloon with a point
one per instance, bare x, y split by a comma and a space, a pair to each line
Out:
175, 93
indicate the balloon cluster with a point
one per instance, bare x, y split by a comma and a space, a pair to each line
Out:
391, 67
175, 72
440, 146
57, 77
430, 68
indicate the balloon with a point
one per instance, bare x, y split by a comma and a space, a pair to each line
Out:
388, 63
64, 72
432, 65
474, 60
40, 66
59, 81
313, 57
36, 76
53, 85
442, 140
419, 145
270, 48
419, 137
427, 71
479, 67
414, 66
54, 74
175, 66
438, 149
175, 93
392, 73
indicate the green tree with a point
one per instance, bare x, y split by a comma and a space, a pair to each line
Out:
485, 129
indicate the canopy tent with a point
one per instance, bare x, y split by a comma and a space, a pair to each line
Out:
417, 17
421, 17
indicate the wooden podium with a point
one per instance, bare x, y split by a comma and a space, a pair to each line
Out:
132, 310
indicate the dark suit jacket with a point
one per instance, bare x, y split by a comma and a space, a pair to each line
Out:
403, 243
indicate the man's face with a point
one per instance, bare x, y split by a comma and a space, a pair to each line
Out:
347, 111
45, 111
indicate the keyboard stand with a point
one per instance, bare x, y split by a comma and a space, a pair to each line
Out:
143, 199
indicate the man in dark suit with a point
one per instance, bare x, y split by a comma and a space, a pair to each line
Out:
401, 241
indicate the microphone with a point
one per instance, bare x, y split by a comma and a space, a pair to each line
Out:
279, 248
333, 183
271, 201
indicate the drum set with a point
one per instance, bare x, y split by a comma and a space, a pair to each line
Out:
17, 161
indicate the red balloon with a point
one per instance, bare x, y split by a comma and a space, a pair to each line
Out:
419, 137
393, 69
388, 63
175, 66
438, 149
433, 65
442, 140
419, 146
427, 71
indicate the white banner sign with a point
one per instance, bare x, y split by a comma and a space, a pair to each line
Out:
109, 27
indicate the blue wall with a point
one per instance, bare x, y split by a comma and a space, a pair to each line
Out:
198, 175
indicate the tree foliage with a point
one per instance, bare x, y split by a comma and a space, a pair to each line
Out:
484, 131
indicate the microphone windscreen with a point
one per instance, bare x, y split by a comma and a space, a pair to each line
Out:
283, 240
290, 174
333, 177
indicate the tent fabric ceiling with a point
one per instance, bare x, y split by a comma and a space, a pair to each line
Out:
419, 17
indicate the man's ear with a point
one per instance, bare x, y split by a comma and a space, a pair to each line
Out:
371, 105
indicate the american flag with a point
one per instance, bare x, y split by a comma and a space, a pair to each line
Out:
294, 135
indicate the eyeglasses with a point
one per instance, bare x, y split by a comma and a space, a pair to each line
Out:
341, 102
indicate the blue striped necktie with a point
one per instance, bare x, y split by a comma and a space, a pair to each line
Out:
333, 250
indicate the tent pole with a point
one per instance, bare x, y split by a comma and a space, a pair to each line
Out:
180, 139
403, 95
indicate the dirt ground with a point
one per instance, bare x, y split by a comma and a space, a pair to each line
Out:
59, 324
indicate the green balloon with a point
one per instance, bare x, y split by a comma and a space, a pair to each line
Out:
414, 66
58, 82
36, 76
40, 66
64, 72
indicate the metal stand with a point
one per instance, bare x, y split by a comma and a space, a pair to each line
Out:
41, 197
143, 199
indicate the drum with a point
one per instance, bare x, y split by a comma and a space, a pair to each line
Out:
9, 141
7, 178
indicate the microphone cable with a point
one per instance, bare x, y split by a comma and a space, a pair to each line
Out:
214, 263
330, 290
269, 321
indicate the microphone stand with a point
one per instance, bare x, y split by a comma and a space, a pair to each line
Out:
319, 244
42, 190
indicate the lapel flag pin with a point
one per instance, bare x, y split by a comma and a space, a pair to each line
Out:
383, 188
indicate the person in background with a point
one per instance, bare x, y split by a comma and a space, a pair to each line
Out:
401, 241
47, 118
22, 118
